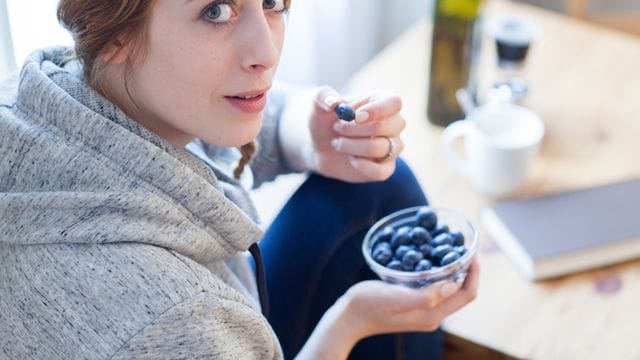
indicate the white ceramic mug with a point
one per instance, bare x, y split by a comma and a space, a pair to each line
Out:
501, 141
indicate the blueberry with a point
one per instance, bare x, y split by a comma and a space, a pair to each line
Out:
440, 229
458, 238
395, 265
442, 239
382, 245
383, 235
460, 250
439, 252
410, 259
345, 112
419, 235
401, 237
426, 218
382, 253
423, 265
425, 249
406, 267
401, 251
449, 258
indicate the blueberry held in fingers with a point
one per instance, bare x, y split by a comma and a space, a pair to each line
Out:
345, 112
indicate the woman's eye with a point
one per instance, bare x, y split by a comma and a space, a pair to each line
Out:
218, 13
275, 5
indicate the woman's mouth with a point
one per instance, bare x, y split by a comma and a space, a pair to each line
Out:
251, 102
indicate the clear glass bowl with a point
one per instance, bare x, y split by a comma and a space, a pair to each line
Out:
456, 271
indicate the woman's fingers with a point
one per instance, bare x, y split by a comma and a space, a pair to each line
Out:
374, 159
376, 148
465, 295
387, 308
374, 170
452, 298
327, 99
374, 107
390, 126
379, 105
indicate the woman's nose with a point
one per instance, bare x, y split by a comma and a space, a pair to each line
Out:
262, 44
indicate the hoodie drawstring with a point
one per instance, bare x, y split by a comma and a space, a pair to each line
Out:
261, 279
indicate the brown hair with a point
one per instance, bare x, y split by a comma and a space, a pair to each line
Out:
247, 151
96, 25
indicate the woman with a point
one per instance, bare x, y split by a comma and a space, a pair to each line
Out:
125, 221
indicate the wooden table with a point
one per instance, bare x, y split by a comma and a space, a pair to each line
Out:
585, 83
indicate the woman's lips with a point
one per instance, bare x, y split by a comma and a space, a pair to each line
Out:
249, 103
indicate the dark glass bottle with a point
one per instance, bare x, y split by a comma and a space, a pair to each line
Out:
454, 48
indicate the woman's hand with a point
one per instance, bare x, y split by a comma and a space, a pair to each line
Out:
362, 150
374, 307
314, 139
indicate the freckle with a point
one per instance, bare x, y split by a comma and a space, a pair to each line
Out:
608, 284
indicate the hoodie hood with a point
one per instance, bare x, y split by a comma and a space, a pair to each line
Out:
76, 169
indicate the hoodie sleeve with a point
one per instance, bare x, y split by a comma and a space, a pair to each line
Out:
204, 328
269, 161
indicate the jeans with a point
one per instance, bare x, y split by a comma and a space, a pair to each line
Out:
312, 255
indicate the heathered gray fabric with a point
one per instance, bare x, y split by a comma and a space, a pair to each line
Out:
114, 244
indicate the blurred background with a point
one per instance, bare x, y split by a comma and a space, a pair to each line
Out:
352, 31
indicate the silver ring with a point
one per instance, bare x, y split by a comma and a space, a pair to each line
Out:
392, 147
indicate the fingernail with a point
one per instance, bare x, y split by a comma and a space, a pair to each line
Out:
335, 143
330, 100
361, 116
353, 161
336, 127
448, 289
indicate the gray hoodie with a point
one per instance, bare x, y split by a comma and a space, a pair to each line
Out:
115, 244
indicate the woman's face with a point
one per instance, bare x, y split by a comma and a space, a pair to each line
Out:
207, 69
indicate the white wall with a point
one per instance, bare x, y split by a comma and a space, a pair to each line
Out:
7, 60
328, 40
34, 25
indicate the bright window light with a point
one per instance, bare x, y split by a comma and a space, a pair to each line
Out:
34, 25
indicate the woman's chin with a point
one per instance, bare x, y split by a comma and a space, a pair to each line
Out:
233, 132
231, 141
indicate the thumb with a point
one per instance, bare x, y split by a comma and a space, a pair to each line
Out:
327, 99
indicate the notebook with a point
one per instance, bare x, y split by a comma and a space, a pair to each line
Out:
566, 232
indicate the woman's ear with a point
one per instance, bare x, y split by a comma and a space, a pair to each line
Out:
116, 53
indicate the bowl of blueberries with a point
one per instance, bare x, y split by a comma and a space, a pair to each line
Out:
421, 245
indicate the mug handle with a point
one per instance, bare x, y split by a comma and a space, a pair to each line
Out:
451, 133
